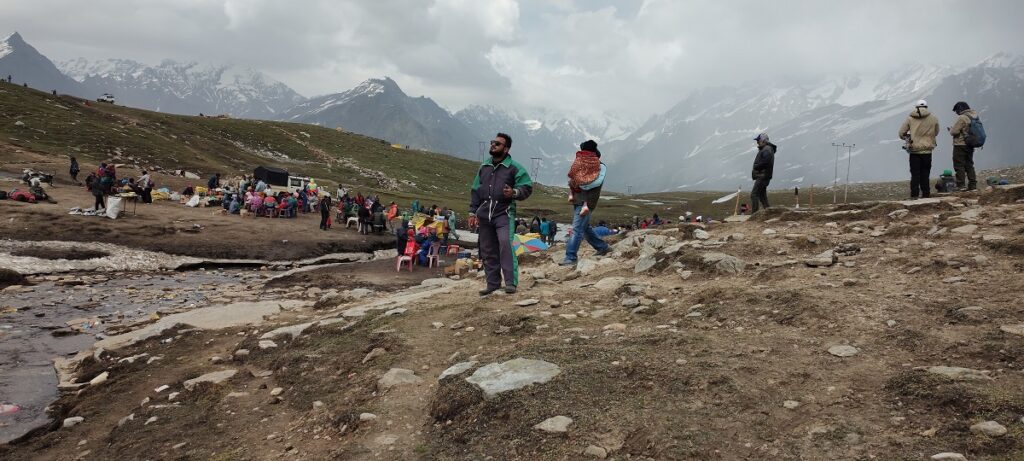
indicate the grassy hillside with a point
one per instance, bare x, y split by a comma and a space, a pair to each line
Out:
57, 126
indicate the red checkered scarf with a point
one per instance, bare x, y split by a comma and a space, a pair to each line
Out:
584, 170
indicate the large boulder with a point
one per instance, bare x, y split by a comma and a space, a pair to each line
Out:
496, 378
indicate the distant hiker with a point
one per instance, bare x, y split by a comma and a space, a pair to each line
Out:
965, 140
145, 183
325, 211
499, 183
213, 182
74, 170
761, 173
919, 131
584, 199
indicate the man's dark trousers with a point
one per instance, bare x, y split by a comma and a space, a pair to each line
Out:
495, 245
759, 194
920, 169
963, 164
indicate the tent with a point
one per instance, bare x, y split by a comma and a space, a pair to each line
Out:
271, 175
529, 243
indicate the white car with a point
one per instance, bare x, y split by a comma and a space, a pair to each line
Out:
107, 97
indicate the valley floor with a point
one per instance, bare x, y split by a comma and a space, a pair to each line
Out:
872, 331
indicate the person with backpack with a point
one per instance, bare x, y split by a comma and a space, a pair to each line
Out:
761, 172
93, 185
145, 183
919, 131
968, 134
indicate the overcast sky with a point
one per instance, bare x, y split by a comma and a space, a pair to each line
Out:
629, 56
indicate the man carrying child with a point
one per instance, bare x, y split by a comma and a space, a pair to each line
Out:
586, 176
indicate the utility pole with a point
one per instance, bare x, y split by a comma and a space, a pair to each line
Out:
849, 163
629, 190
835, 176
535, 167
483, 147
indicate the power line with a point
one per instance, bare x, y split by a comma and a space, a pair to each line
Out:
535, 167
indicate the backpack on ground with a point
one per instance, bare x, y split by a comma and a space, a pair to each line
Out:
975, 133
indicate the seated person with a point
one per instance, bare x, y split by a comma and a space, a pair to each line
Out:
235, 206
427, 241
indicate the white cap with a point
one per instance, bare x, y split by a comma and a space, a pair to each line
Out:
921, 103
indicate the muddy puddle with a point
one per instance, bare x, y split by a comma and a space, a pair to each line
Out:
60, 315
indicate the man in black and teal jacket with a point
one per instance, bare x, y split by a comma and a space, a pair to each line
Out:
499, 183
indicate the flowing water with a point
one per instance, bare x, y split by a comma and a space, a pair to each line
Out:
60, 315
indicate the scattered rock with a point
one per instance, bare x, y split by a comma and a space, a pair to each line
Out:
241, 353
376, 352
842, 350
72, 421
954, 280
825, 259
614, 327
514, 374
769, 232
645, 263
555, 425
276, 391
790, 404
586, 266
367, 417
527, 302
723, 263
701, 234
457, 369
959, 373
989, 428
685, 275
395, 311
267, 344
1017, 329
397, 377
437, 325
967, 229
899, 214
596, 451
215, 377
610, 283
948, 456
99, 379
631, 302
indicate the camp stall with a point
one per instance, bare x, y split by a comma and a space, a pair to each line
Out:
271, 175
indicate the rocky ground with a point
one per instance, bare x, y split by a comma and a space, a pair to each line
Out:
871, 331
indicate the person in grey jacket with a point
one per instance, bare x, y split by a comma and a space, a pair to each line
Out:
761, 173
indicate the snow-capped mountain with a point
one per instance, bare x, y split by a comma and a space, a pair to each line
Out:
379, 108
26, 65
553, 137
705, 141
185, 88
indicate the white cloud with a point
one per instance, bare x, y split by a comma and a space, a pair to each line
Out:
629, 56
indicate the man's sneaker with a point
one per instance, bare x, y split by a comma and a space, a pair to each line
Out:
510, 290
567, 263
604, 251
487, 291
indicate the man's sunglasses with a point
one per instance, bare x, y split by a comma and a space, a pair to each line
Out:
497, 143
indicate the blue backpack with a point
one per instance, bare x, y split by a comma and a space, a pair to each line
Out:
975, 133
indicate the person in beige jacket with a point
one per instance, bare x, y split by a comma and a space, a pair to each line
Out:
963, 155
919, 131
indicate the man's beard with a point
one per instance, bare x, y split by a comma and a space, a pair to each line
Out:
498, 153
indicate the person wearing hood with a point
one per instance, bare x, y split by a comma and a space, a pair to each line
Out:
919, 131
761, 172
963, 155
